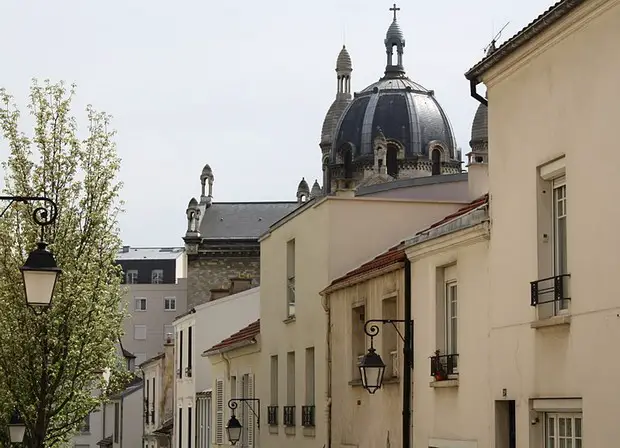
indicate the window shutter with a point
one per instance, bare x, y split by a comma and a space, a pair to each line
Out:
251, 417
219, 412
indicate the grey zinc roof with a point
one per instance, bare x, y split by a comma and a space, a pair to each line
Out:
150, 253
242, 220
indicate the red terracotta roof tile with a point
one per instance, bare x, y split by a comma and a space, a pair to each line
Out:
460, 212
245, 334
394, 255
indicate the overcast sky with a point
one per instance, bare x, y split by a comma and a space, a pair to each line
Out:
243, 86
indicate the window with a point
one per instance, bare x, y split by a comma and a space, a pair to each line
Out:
435, 162
139, 332
189, 427
117, 421
290, 278
563, 431
180, 427
157, 276
139, 304
131, 277
170, 303
358, 339
153, 399
348, 163
560, 253
392, 160
168, 332
389, 337
188, 369
310, 376
274, 379
85, 426
180, 370
451, 318
290, 378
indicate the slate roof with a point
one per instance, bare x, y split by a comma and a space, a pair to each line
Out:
543, 22
242, 220
245, 334
392, 256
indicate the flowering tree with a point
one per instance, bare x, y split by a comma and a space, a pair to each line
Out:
51, 361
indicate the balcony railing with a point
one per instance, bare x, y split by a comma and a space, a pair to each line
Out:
444, 365
307, 416
188, 371
550, 290
272, 415
289, 415
179, 373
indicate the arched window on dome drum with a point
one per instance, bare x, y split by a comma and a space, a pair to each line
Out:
392, 160
436, 162
327, 181
348, 164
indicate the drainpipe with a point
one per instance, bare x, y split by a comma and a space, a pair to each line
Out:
408, 355
473, 83
328, 370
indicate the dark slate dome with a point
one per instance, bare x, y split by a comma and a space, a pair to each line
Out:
403, 110
480, 126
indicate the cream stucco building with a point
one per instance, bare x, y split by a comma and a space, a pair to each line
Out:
235, 364
299, 256
553, 318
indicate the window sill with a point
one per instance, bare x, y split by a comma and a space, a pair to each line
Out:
309, 431
390, 380
563, 319
289, 319
289, 430
450, 382
273, 429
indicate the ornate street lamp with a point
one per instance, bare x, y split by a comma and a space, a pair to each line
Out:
40, 271
234, 426
17, 428
372, 369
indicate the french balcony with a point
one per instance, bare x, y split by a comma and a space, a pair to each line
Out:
307, 416
444, 367
272, 415
551, 297
289, 415
188, 371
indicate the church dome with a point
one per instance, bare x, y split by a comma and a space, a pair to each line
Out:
480, 126
404, 110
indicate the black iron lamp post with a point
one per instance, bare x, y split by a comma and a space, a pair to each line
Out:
17, 428
40, 271
234, 426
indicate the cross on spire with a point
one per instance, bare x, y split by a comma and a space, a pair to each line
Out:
394, 8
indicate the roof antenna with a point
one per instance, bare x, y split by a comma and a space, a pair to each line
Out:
491, 47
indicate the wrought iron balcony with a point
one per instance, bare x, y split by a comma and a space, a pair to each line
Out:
444, 365
188, 371
550, 290
289, 415
179, 373
272, 415
307, 416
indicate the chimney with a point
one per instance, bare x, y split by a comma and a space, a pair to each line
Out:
240, 284
478, 174
125, 249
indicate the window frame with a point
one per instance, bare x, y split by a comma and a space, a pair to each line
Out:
451, 316
558, 184
133, 274
556, 436
142, 300
173, 301
157, 274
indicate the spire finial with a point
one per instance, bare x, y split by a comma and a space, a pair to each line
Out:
395, 9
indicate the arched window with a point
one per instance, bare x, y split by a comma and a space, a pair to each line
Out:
326, 176
436, 162
392, 160
348, 164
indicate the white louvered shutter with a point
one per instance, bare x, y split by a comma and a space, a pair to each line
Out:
219, 412
251, 417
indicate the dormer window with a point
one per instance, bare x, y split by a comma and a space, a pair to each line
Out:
131, 277
157, 276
